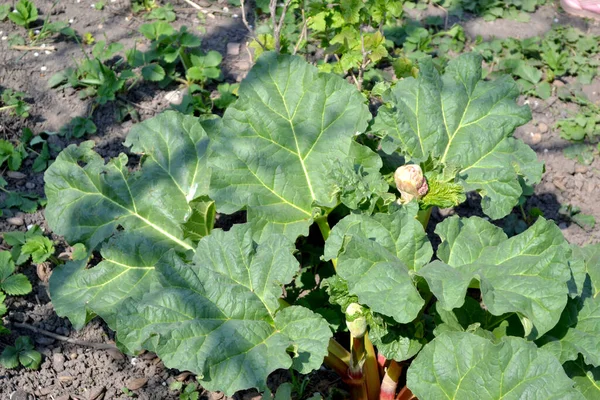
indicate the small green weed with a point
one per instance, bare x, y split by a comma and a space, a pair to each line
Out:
14, 103
22, 353
24, 13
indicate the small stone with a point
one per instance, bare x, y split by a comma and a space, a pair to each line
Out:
558, 83
174, 97
115, 354
446, 212
233, 49
559, 184
535, 137
73, 356
20, 395
580, 169
542, 127
64, 397
65, 377
136, 383
30, 185
58, 362
182, 376
563, 225
45, 391
16, 221
16, 175
97, 393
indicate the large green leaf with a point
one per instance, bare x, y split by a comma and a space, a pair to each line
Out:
399, 232
578, 331
88, 199
219, 318
459, 365
526, 274
379, 278
464, 125
126, 271
274, 154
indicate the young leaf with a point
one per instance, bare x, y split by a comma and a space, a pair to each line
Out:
40, 248
30, 359
275, 140
453, 365
153, 72
11, 283
463, 124
218, 316
9, 357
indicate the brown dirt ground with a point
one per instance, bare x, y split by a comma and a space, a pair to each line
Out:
87, 373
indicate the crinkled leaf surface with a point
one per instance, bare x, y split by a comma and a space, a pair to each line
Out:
218, 316
126, 271
399, 233
395, 341
578, 331
88, 199
273, 154
526, 274
378, 274
463, 124
460, 365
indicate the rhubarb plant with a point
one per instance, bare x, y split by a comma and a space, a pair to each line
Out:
484, 315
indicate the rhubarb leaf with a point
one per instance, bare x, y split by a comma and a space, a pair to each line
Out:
399, 233
273, 155
88, 199
463, 124
526, 274
577, 331
126, 271
459, 365
377, 276
219, 316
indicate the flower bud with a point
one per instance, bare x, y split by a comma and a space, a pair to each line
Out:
355, 320
410, 182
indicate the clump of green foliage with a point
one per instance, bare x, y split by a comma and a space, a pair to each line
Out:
14, 103
15, 284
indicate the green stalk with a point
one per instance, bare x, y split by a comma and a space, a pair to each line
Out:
325, 231
323, 226
423, 216
371, 369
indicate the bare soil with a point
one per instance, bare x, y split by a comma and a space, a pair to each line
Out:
83, 372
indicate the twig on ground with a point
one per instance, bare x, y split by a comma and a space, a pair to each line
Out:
201, 9
62, 338
27, 48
